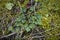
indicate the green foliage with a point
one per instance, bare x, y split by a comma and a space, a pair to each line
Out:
28, 24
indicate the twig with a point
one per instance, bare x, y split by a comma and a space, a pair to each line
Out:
37, 36
7, 35
49, 29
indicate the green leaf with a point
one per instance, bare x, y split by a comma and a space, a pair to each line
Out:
10, 28
23, 10
32, 8
17, 30
27, 29
9, 6
32, 26
25, 25
23, 21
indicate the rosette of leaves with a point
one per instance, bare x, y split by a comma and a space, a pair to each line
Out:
27, 21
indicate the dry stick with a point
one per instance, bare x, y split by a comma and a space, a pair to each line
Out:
30, 38
51, 35
11, 33
46, 30
49, 30
21, 33
46, 34
37, 36
55, 34
7, 35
